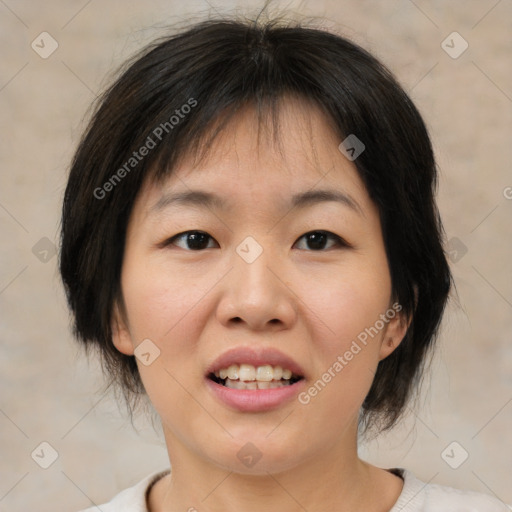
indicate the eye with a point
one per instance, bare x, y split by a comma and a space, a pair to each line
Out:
318, 239
196, 240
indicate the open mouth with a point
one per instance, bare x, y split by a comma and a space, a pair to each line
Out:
249, 377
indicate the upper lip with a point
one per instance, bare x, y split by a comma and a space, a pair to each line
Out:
256, 357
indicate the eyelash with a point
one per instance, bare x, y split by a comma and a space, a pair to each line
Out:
340, 242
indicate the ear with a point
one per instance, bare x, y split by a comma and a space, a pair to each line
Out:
120, 333
395, 331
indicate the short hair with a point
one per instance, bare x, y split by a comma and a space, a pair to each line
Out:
179, 93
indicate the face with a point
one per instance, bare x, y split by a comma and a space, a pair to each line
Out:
279, 275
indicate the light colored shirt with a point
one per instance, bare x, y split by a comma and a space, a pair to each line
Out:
416, 496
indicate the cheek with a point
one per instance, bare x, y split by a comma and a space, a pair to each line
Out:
346, 344
160, 302
163, 306
347, 303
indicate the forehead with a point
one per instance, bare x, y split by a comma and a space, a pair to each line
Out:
250, 162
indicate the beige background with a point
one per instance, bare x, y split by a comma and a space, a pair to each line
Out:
48, 390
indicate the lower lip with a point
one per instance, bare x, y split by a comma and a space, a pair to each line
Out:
255, 400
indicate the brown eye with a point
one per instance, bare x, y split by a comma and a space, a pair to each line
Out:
194, 240
317, 240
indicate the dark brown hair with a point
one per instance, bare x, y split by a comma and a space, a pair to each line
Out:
215, 68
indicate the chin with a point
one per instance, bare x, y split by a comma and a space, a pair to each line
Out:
256, 454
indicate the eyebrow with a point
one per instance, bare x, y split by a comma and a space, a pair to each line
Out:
205, 199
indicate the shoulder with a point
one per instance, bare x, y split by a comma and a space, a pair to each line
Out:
463, 501
425, 497
132, 499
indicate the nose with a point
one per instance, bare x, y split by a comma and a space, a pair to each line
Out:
257, 292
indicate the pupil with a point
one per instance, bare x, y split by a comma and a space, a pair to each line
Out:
316, 240
196, 240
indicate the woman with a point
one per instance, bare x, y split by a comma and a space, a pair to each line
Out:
250, 236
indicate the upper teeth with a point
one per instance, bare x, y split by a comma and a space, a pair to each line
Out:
248, 372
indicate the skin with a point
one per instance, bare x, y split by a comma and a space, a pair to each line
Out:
309, 303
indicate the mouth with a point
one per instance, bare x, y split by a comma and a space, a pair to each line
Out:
246, 376
247, 379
